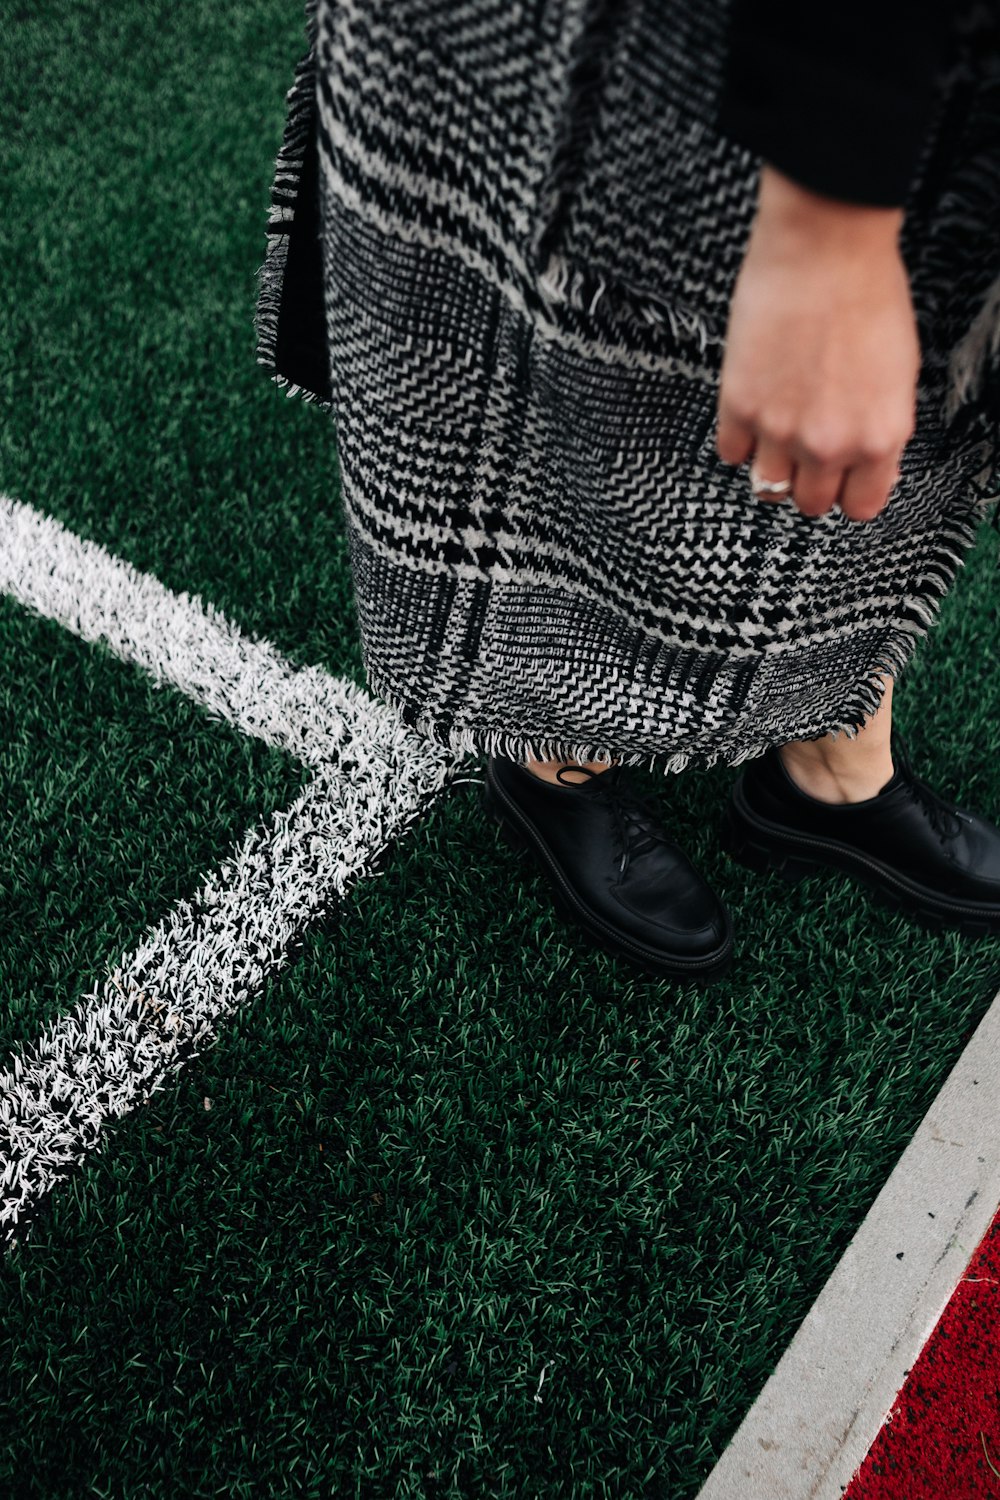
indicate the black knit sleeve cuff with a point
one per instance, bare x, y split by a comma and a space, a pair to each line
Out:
836, 98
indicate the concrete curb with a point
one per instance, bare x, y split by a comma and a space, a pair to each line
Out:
823, 1406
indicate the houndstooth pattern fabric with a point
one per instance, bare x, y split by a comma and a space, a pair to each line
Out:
530, 228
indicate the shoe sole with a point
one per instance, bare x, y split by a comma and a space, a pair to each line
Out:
768, 848
517, 833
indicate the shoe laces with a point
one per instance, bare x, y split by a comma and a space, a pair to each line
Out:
637, 826
944, 817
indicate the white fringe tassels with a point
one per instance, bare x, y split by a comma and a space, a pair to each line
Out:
970, 357
300, 121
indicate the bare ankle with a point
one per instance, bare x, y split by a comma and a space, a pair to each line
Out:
837, 778
844, 768
547, 770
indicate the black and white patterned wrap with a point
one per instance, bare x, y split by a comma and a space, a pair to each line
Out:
529, 228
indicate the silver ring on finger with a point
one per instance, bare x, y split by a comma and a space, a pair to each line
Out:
779, 487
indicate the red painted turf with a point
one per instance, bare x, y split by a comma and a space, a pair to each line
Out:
942, 1441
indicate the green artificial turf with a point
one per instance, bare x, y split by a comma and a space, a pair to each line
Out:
449, 1149
118, 794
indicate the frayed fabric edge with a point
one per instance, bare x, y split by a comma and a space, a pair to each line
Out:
864, 701
974, 353
300, 121
291, 389
583, 288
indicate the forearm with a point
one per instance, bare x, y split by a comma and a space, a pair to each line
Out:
802, 221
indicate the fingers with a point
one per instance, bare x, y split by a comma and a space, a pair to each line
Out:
817, 486
773, 463
862, 490
734, 439
867, 488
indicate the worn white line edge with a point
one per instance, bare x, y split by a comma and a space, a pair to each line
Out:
177, 639
836, 1383
157, 1006
160, 1004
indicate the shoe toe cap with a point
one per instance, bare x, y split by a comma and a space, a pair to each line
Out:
685, 918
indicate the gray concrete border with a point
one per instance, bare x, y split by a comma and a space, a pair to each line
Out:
837, 1381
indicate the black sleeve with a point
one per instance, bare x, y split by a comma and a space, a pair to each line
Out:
836, 96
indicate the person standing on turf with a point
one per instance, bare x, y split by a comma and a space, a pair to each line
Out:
661, 342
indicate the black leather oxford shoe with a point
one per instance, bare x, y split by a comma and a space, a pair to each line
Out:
613, 870
914, 849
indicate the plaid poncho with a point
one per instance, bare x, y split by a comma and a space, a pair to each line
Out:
502, 244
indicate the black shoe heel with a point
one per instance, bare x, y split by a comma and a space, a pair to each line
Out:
765, 861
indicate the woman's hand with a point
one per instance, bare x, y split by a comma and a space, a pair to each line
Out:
822, 353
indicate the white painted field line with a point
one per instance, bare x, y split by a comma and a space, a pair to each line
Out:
161, 1004
823, 1406
177, 639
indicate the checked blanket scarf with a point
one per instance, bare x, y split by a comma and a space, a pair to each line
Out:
502, 242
